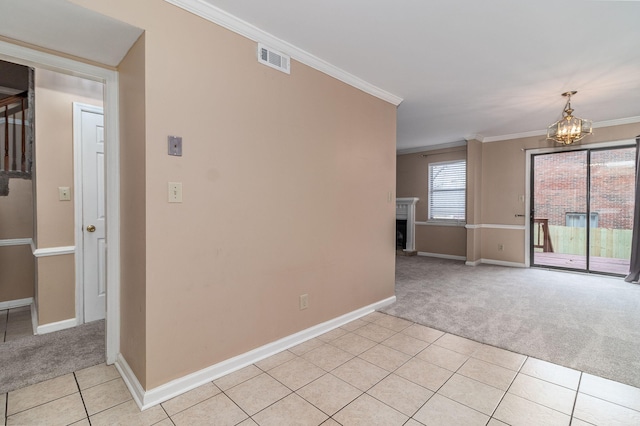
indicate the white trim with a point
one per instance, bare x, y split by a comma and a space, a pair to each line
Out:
155, 396
495, 226
441, 256
472, 263
56, 326
520, 135
616, 122
18, 303
54, 251
130, 379
16, 242
596, 125
34, 318
502, 263
112, 218
442, 223
406, 210
218, 16
417, 149
34, 58
78, 109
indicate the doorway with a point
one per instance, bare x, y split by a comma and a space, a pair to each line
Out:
582, 204
26, 56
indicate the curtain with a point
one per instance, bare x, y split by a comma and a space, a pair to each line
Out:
634, 266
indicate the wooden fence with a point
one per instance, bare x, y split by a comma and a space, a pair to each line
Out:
611, 243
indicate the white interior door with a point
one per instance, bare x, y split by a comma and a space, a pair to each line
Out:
93, 212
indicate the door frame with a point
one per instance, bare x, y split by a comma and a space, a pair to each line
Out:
78, 186
38, 59
529, 180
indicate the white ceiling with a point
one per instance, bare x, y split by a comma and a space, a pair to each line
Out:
488, 68
465, 68
67, 28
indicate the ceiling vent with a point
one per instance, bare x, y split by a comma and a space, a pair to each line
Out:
273, 58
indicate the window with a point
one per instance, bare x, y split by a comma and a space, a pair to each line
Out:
579, 220
447, 189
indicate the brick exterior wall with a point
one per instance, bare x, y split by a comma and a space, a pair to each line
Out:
560, 186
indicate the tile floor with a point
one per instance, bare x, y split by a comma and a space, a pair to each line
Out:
378, 370
15, 323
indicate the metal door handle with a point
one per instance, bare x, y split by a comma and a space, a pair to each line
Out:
91, 228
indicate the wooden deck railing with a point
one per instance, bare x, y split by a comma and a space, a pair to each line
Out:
13, 135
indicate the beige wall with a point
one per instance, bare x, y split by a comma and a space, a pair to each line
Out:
16, 222
285, 180
133, 216
54, 97
504, 180
17, 268
56, 288
496, 183
412, 181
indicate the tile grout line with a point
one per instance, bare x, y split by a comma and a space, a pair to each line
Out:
168, 416
75, 378
509, 387
575, 400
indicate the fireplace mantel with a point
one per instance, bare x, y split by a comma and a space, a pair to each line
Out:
406, 210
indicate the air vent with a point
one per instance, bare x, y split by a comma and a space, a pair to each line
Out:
273, 58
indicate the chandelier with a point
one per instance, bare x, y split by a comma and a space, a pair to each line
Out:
569, 129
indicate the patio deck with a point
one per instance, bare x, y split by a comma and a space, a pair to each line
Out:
596, 264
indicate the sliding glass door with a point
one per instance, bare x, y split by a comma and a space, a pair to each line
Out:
582, 209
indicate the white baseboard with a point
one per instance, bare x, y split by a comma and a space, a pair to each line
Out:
56, 326
503, 263
130, 379
34, 318
155, 396
15, 303
441, 256
473, 263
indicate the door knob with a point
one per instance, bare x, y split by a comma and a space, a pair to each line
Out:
91, 228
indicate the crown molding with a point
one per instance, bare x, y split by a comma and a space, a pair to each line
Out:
431, 147
617, 122
513, 136
218, 16
596, 125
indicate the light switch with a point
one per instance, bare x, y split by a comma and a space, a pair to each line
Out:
175, 192
64, 193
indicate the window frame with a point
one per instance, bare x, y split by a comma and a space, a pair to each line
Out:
445, 221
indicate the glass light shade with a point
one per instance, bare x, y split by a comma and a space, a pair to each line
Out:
569, 129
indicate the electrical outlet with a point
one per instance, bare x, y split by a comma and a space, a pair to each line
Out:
304, 301
500, 247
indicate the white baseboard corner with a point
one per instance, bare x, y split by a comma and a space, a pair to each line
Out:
473, 263
34, 318
18, 303
155, 396
441, 256
56, 326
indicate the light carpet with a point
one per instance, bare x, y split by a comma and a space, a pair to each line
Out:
34, 359
586, 322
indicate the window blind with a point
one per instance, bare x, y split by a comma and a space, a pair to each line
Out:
447, 190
